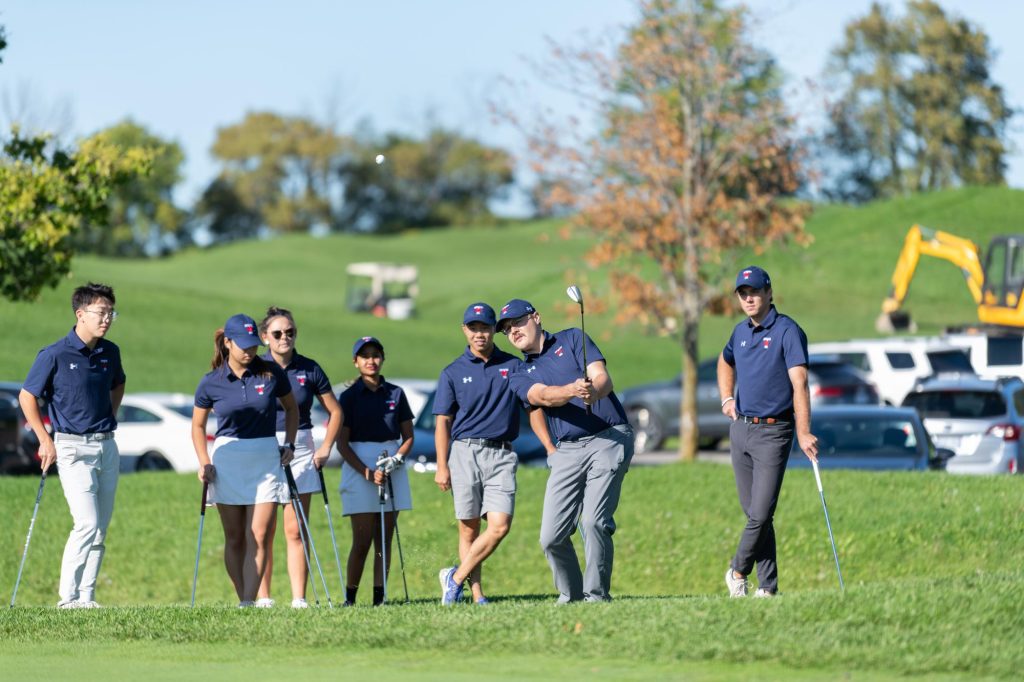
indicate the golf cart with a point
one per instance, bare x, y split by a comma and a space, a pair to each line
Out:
382, 289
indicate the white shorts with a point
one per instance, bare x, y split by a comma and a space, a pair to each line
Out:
306, 477
359, 496
248, 471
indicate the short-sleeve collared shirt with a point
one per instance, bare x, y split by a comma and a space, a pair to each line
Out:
560, 362
763, 355
477, 394
374, 416
77, 381
307, 380
246, 406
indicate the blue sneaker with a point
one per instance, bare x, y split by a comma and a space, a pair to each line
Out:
482, 601
451, 593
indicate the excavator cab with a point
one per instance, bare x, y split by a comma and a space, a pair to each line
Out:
1004, 273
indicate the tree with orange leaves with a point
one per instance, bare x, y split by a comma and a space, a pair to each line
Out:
694, 161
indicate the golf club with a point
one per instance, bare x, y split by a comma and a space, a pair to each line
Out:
577, 296
300, 518
28, 538
398, 538
383, 534
330, 524
199, 543
817, 478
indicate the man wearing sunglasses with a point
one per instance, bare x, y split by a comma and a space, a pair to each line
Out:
82, 378
594, 448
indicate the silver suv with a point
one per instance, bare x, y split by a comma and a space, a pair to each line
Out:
979, 419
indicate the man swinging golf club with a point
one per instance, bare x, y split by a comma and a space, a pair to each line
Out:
595, 446
766, 356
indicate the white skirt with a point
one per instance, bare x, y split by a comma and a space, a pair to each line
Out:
359, 496
248, 471
306, 478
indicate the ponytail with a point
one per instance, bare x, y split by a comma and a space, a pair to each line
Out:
220, 351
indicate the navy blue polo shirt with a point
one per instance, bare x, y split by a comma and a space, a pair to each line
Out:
477, 394
307, 381
77, 381
560, 362
763, 355
246, 407
374, 416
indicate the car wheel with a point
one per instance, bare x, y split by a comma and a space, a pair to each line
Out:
153, 461
647, 428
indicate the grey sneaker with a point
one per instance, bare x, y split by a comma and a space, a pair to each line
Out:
737, 586
762, 593
264, 603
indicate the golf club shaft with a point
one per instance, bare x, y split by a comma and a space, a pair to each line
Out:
28, 538
828, 524
383, 546
199, 542
304, 520
304, 535
583, 330
398, 539
330, 525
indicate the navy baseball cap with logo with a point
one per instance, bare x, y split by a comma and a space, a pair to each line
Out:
479, 312
512, 310
358, 345
242, 331
753, 277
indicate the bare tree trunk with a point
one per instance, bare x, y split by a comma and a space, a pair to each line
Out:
688, 434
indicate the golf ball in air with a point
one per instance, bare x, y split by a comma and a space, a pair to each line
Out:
379, 159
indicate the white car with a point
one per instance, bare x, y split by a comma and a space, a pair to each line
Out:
894, 365
154, 432
994, 354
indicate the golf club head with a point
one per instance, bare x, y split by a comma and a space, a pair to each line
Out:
575, 294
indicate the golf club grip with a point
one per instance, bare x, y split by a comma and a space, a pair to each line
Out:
817, 475
202, 502
323, 486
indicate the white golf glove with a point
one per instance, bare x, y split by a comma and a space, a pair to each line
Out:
388, 464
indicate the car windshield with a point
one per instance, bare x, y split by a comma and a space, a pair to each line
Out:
950, 361
184, 409
833, 372
865, 436
957, 404
426, 420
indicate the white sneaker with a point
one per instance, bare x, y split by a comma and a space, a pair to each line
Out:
245, 604
88, 604
264, 603
763, 594
69, 604
737, 586
300, 603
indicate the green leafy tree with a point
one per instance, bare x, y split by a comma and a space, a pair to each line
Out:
143, 220
45, 196
918, 108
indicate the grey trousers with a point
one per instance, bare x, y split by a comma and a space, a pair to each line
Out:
759, 456
583, 490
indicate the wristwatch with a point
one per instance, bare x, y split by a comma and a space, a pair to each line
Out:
290, 446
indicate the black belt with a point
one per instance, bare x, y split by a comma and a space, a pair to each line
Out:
488, 443
777, 419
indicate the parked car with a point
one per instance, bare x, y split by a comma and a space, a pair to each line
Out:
979, 419
423, 457
993, 354
871, 437
10, 435
154, 432
26, 460
653, 409
894, 365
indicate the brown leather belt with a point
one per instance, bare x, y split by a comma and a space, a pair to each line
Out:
766, 420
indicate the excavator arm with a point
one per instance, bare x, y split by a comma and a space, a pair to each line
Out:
922, 241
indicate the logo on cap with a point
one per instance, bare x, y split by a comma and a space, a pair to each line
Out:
367, 338
478, 309
249, 329
504, 309
746, 274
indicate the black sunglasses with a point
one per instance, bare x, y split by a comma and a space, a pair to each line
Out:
290, 333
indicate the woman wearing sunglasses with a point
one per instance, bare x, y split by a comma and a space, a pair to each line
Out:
307, 380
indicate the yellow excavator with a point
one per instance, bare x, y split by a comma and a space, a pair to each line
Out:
997, 288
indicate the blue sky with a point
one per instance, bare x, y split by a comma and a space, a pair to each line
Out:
184, 68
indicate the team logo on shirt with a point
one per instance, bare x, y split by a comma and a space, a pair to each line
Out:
301, 378
260, 388
467, 380
391, 405
74, 365
103, 364
766, 341
560, 351
504, 373
532, 367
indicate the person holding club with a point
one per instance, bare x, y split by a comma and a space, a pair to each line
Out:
245, 469
307, 380
565, 374
82, 379
376, 435
477, 418
762, 381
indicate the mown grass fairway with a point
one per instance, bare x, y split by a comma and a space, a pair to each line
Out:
932, 564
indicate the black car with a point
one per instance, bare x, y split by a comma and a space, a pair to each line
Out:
10, 433
424, 456
24, 459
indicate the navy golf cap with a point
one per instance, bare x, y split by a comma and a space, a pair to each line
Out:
358, 345
753, 277
514, 309
241, 329
479, 312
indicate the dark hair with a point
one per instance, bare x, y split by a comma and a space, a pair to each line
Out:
272, 312
85, 295
258, 366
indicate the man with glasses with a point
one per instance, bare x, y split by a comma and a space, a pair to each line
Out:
595, 445
477, 418
82, 379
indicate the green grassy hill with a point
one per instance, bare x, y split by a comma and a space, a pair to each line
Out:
170, 308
